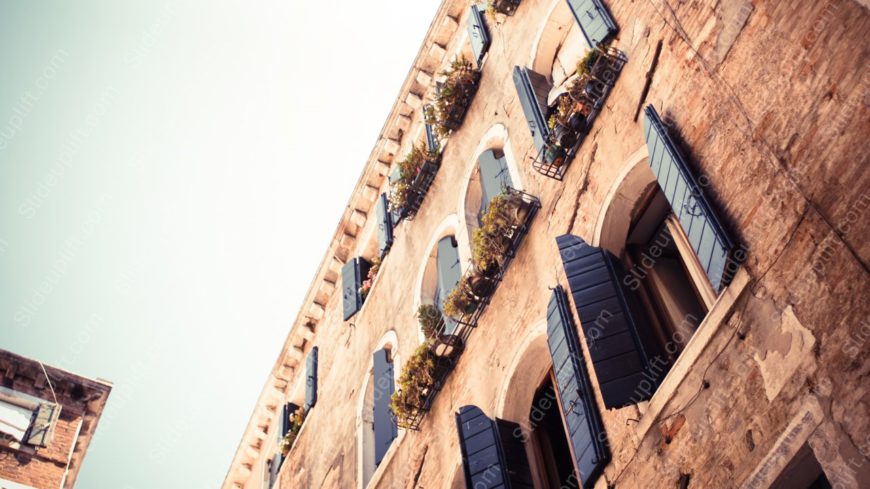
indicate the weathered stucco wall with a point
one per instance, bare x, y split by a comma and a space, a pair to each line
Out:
769, 101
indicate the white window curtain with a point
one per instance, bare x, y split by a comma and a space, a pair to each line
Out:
14, 420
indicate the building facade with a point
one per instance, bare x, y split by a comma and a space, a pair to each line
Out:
623, 244
48, 417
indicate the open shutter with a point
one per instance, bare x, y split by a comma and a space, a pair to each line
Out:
624, 354
385, 424
311, 379
494, 177
484, 456
478, 34
352, 275
42, 428
532, 91
385, 225
708, 238
594, 20
583, 421
449, 272
275, 468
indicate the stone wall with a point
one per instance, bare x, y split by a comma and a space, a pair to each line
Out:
769, 102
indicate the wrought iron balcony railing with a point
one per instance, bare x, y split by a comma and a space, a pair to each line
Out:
451, 334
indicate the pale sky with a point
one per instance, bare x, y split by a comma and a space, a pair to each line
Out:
170, 177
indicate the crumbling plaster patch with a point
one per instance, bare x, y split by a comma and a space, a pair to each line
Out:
781, 351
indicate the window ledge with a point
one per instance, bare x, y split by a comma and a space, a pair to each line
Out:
379, 471
712, 323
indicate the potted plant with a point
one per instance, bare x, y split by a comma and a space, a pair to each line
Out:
461, 301
453, 97
415, 384
504, 7
415, 172
584, 66
366, 286
430, 319
296, 420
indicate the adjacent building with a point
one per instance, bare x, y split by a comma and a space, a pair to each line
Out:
597, 244
47, 421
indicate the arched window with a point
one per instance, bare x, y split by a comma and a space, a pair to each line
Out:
378, 428
567, 80
657, 271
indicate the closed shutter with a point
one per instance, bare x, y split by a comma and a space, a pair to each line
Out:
623, 351
311, 379
712, 244
485, 459
352, 275
385, 225
532, 92
431, 140
594, 20
42, 428
586, 434
385, 424
478, 34
449, 272
494, 177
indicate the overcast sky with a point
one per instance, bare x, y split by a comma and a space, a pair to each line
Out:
170, 177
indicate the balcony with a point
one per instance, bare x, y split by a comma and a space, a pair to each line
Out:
411, 181
452, 97
574, 107
505, 225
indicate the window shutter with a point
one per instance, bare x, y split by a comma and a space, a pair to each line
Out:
713, 246
486, 446
494, 177
449, 272
532, 91
431, 140
42, 428
623, 352
311, 379
478, 34
594, 20
586, 434
275, 470
352, 275
385, 424
385, 225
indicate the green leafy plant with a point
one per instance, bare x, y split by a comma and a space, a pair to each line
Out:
454, 97
584, 66
409, 167
430, 320
296, 420
461, 301
415, 383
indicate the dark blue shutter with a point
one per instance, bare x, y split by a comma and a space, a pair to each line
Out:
586, 434
478, 34
706, 234
594, 20
494, 177
311, 379
431, 140
385, 225
529, 87
621, 344
352, 275
385, 424
449, 272
485, 458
